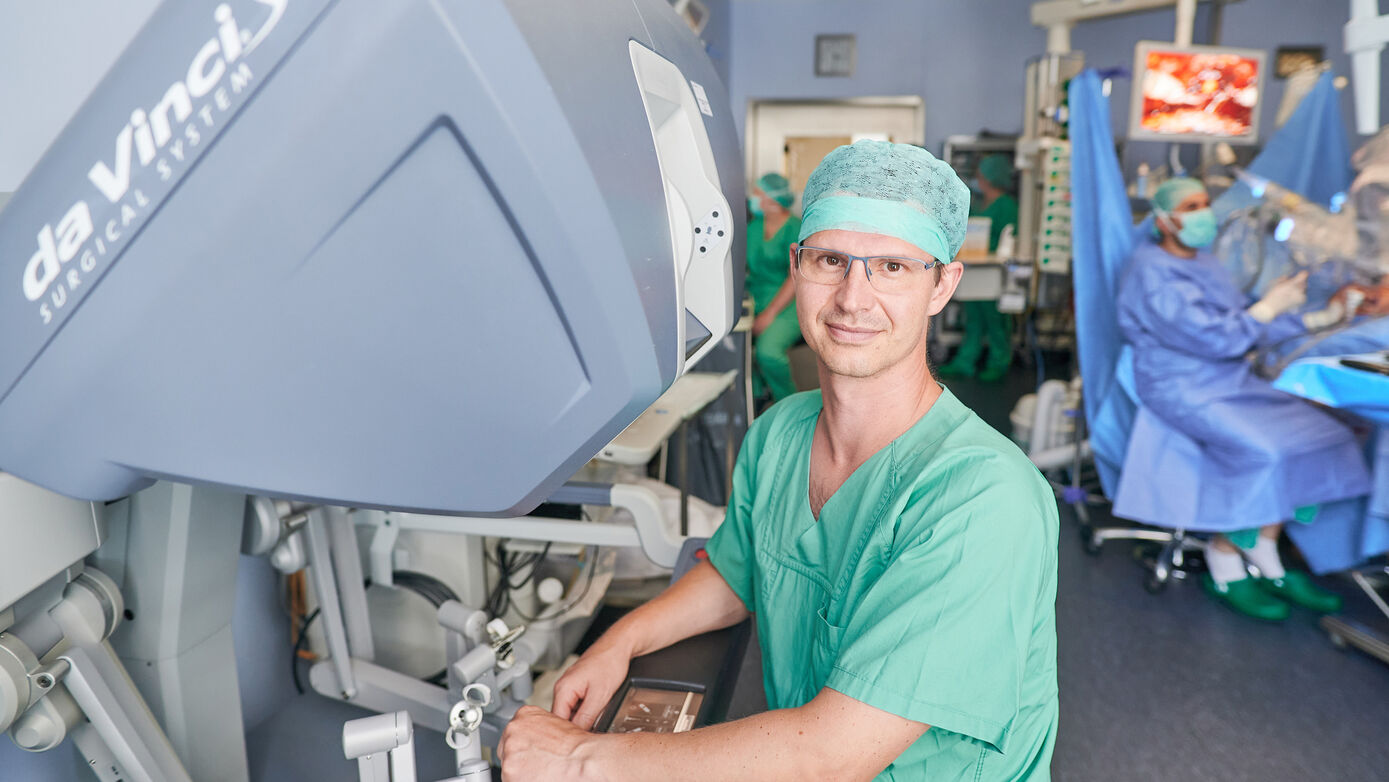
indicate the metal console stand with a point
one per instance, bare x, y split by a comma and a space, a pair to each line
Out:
1344, 632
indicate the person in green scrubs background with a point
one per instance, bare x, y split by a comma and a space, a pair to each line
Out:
771, 232
900, 554
982, 320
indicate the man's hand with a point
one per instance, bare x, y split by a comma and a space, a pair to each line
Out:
584, 689
537, 746
1284, 295
832, 737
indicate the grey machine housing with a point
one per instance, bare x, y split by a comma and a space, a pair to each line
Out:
426, 254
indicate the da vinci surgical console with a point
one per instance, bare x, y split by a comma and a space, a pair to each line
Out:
424, 255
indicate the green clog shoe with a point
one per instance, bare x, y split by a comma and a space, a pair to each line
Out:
1298, 588
1248, 598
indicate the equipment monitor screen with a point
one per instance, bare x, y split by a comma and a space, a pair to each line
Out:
1196, 93
652, 710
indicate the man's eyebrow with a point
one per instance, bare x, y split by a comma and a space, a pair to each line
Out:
928, 260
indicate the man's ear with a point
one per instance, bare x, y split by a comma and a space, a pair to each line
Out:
949, 280
1168, 222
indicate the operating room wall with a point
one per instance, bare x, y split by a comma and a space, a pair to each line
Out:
942, 50
966, 59
717, 36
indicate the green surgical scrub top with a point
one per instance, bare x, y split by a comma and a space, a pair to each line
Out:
1004, 212
927, 588
769, 260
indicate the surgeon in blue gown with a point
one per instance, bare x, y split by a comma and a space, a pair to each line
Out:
1262, 457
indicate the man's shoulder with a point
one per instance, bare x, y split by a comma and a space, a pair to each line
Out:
975, 466
968, 438
1007, 205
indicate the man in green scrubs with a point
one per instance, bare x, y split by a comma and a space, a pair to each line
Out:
982, 320
900, 555
771, 232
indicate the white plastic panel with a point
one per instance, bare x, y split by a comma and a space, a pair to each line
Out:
701, 223
43, 533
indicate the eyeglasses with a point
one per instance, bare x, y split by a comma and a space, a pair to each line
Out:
886, 273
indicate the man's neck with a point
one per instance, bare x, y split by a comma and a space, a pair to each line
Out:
1171, 245
862, 415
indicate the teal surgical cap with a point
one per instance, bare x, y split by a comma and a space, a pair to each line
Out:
1174, 191
777, 188
896, 190
997, 170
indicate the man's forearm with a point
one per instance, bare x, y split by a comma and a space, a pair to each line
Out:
784, 296
764, 747
826, 739
699, 602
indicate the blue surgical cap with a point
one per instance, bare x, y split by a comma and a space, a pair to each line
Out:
891, 189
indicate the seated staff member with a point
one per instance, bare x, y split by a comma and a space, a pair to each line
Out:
771, 232
900, 554
1265, 456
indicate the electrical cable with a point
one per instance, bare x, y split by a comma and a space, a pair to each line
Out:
433, 590
592, 567
298, 647
424, 585
508, 567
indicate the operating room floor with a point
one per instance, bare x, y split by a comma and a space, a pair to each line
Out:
1161, 687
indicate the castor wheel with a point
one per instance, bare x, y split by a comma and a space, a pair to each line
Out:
1088, 541
1154, 584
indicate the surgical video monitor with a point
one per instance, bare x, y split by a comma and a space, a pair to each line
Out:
1196, 93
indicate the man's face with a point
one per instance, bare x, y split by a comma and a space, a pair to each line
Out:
1192, 203
858, 331
769, 205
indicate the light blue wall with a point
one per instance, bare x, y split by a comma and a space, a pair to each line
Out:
718, 36
947, 51
965, 58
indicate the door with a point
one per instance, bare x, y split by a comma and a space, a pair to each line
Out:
791, 137
804, 153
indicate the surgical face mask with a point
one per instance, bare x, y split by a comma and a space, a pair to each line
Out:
1198, 228
755, 206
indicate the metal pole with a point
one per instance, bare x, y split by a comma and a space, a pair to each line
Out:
684, 480
729, 446
325, 584
1186, 22
101, 687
